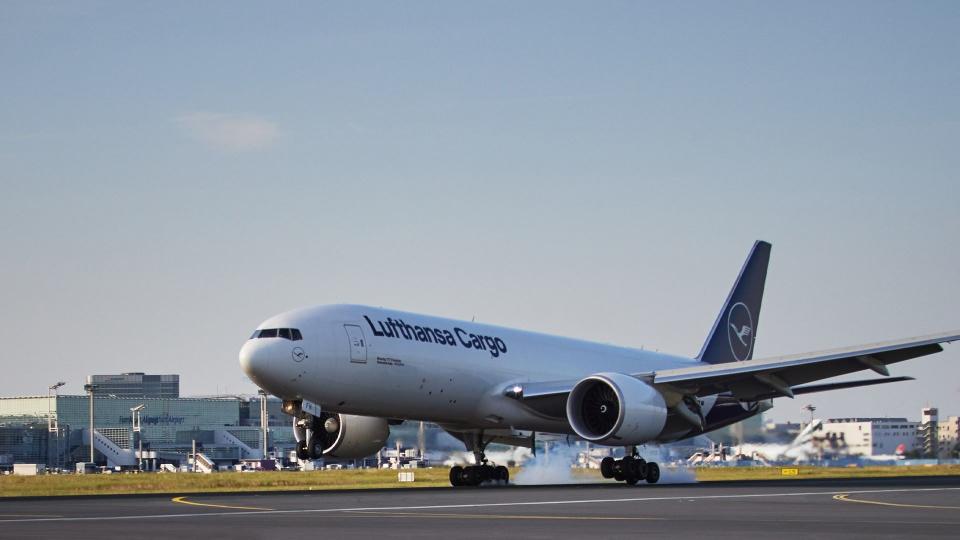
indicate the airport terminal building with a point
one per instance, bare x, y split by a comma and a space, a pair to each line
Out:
54, 430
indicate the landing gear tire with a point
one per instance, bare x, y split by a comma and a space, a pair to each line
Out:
471, 476
302, 453
456, 476
630, 469
653, 473
475, 475
482, 472
606, 467
638, 469
626, 470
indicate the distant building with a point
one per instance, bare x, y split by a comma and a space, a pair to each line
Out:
786, 432
872, 436
948, 432
136, 385
927, 432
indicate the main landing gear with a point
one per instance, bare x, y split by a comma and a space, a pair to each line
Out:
630, 469
474, 475
482, 472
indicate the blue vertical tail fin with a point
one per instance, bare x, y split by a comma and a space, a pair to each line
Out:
733, 334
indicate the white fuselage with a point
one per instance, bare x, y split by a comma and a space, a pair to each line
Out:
377, 362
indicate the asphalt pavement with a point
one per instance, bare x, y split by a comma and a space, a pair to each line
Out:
865, 508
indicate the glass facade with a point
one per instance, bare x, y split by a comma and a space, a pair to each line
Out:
137, 385
168, 425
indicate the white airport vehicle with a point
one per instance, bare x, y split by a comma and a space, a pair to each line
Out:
346, 372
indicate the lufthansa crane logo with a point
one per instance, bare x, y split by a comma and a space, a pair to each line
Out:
740, 331
298, 354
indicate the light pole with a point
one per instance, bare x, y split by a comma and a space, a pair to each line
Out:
135, 420
810, 409
51, 421
90, 387
53, 425
264, 420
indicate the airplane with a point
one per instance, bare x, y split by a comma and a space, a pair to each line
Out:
345, 373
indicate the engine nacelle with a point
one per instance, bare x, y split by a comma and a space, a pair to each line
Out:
616, 409
348, 436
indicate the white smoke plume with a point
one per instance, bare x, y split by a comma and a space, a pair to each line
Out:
551, 467
677, 475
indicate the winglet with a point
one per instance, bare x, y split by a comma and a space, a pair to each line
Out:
733, 334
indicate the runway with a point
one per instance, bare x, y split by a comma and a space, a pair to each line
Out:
894, 507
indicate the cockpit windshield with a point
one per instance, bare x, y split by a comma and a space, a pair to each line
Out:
292, 334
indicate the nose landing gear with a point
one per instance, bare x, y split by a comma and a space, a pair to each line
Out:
630, 469
312, 433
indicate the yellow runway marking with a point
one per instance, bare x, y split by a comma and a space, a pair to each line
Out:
183, 500
505, 516
846, 498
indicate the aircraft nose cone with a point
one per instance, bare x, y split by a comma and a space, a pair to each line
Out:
273, 365
255, 362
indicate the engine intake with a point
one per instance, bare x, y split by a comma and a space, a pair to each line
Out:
616, 409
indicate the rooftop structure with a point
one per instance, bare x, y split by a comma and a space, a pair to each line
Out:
137, 385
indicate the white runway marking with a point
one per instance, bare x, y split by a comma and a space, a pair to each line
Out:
477, 505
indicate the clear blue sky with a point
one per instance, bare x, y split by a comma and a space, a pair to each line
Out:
174, 173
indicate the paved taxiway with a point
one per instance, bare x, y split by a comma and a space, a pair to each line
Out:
896, 507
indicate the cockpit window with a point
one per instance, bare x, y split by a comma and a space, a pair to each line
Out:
293, 334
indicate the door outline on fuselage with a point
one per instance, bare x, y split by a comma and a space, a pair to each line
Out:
357, 343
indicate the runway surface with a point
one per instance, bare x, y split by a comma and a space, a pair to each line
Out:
895, 507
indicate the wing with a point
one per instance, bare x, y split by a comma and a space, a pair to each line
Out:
754, 380
757, 379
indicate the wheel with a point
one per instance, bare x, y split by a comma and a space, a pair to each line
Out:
485, 473
470, 476
638, 469
653, 473
456, 475
302, 453
606, 467
502, 474
632, 481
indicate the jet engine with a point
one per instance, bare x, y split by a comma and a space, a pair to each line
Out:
616, 409
344, 436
